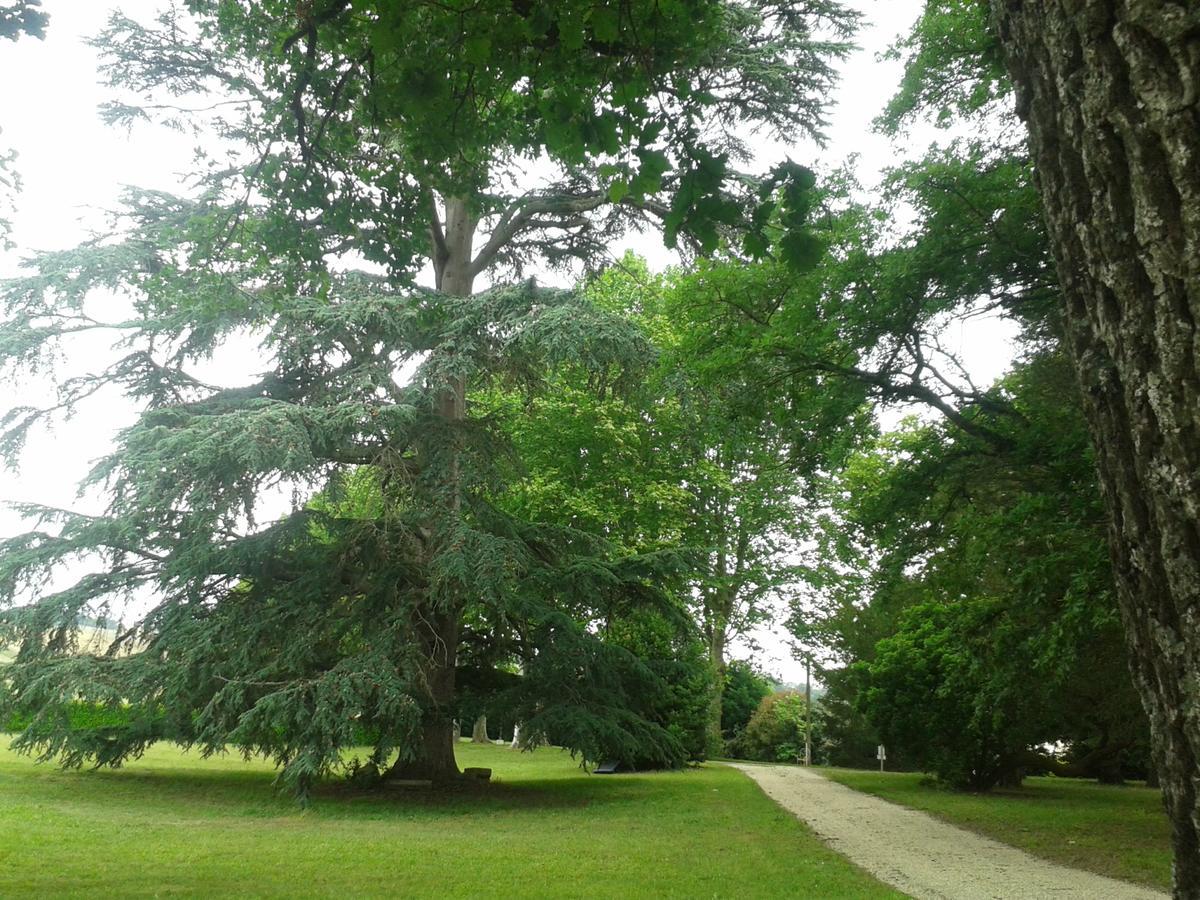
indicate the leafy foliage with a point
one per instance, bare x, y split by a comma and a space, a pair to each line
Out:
970, 549
775, 733
932, 693
687, 460
394, 135
974, 590
744, 690
638, 109
847, 738
953, 69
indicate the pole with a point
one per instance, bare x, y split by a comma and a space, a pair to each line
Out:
808, 709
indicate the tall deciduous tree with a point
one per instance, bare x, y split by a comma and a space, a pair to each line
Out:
982, 572
1109, 93
688, 460
466, 137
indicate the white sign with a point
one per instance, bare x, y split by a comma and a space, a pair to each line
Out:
881, 753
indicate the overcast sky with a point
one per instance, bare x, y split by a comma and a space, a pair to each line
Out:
73, 168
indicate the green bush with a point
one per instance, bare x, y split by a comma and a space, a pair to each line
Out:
679, 691
745, 688
939, 691
81, 716
847, 739
775, 733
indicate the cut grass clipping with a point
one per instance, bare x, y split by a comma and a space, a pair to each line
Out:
1115, 830
175, 824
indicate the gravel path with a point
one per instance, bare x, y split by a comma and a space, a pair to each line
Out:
922, 856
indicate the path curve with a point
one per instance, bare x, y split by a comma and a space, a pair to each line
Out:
923, 856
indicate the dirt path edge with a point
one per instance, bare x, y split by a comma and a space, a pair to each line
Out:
923, 856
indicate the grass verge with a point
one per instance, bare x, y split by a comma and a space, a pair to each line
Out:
176, 825
1120, 831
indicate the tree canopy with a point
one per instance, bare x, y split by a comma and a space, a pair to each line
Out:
451, 490
462, 139
957, 557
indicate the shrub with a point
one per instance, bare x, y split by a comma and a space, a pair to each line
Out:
745, 688
937, 691
775, 733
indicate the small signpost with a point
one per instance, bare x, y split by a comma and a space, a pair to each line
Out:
808, 709
881, 755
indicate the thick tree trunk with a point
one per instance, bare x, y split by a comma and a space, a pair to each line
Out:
1011, 778
433, 757
715, 738
718, 612
439, 630
479, 733
1111, 95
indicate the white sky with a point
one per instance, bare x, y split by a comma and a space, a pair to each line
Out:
73, 168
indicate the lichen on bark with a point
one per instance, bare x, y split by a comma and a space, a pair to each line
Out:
1110, 92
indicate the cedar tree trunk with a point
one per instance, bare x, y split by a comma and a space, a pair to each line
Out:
433, 756
715, 738
1110, 92
439, 630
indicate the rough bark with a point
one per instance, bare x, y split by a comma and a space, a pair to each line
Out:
479, 734
715, 738
433, 757
1109, 91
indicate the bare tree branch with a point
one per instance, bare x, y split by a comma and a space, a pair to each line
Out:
528, 212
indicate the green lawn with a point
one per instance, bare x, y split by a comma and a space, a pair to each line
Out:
1120, 831
174, 824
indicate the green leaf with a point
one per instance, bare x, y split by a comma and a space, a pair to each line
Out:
570, 31
606, 23
478, 49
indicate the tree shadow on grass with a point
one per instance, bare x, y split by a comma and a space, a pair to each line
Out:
1050, 791
217, 786
499, 796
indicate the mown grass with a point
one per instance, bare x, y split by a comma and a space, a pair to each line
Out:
173, 824
1120, 831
